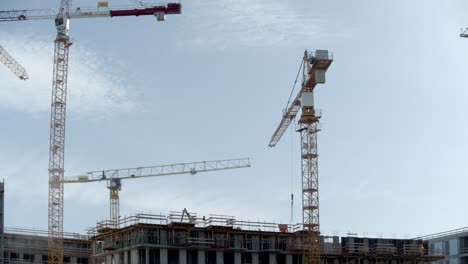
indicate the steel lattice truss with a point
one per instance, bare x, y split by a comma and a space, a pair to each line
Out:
162, 170
12, 64
57, 150
310, 190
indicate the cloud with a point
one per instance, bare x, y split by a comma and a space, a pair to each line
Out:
93, 86
250, 23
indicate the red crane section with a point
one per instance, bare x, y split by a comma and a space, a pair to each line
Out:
40, 14
174, 8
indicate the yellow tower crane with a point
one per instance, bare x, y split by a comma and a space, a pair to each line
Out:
115, 176
313, 65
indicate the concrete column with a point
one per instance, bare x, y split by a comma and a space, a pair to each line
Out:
73, 259
337, 261
182, 256
147, 256
201, 257
163, 256
255, 258
272, 258
116, 258
237, 258
289, 259
126, 257
108, 259
37, 258
163, 237
134, 253
219, 257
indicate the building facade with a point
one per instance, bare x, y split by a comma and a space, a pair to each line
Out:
31, 246
452, 244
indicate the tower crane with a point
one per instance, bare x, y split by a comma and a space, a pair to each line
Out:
59, 98
314, 66
12, 64
115, 176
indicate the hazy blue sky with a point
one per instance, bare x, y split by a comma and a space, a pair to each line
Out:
211, 84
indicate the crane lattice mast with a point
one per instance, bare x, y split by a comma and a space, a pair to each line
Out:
314, 66
57, 133
59, 96
12, 64
115, 176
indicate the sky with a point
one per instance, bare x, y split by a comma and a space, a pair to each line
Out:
211, 84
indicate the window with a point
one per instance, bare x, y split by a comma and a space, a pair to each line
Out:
82, 260
28, 258
438, 248
14, 256
453, 247
6, 256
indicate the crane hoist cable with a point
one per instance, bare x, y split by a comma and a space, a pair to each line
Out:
292, 175
294, 85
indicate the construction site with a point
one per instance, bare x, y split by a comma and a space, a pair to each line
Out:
183, 236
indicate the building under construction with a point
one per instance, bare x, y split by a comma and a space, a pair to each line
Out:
183, 238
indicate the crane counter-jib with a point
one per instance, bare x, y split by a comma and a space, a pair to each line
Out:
41, 14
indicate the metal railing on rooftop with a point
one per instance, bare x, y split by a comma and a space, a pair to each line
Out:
212, 220
444, 234
41, 233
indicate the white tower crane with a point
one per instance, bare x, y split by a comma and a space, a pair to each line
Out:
115, 176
